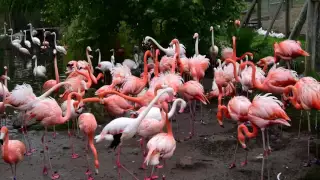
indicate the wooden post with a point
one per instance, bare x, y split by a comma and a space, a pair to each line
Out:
310, 16
273, 20
259, 13
248, 15
300, 22
287, 18
314, 35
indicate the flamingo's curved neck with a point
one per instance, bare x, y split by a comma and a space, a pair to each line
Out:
55, 40
31, 31
156, 63
242, 128
11, 35
89, 60
212, 38
255, 83
145, 66
35, 62
55, 87
56, 71
168, 125
87, 75
6, 152
234, 54
6, 80
99, 57
68, 113
235, 70
4, 29
133, 99
157, 44
25, 36
93, 149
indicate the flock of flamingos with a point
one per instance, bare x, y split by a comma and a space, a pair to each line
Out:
149, 101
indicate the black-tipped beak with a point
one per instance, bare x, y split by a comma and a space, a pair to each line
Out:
1, 138
222, 125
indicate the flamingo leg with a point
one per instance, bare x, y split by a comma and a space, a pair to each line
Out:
45, 169
15, 172
88, 172
119, 165
143, 152
55, 174
191, 133
25, 135
307, 164
13, 176
78, 129
54, 135
301, 113
288, 64
73, 154
264, 154
268, 143
233, 164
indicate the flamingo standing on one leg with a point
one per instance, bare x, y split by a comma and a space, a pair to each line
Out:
264, 111
88, 124
125, 128
12, 150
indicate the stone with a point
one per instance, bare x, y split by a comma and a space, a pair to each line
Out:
185, 162
135, 151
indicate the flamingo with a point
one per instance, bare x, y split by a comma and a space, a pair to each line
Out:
50, 83
161, 145
276, 80
198, 64
34, 40
306, 96
103, 65
265, 62
237, 110
131, 64
49, 113
170, 51
26, 42
154, 121
125, 128
88, 124
12, 150
39, 71
24, 51
4, 87
214, 50
288, 50
14, 43
229, 90
45, 43
134, 85
4, 31
192, 90
19, 39
60, 49
76, 109
264, 111
88, 50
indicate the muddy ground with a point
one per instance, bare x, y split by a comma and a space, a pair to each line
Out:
205, 157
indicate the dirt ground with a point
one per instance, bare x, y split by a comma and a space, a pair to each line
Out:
205, 157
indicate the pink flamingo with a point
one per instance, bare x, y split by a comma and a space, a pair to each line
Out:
192, 90
265, 62
276, 80
3, 92
49, 113
50, 83
154, 122
237, 110
12, 150
125, 128
246, 78
161, 145
288, 50
88, 124
229, 90
134, 85
264, 111
306, 96
23, 98
232, 52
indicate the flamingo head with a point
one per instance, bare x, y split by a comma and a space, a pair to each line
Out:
34, 57
10, 30
79, 107
5, 23
89, 48
29, 24
3, 133
5, 68
54, 51
196, 35
237, 23
174, 41
211, 28
97, 50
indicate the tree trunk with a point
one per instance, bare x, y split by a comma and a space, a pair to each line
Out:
310, 16
287, 18
259, 13
273, 20
300, 22
248, 15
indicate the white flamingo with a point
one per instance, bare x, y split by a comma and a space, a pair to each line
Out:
60, 49
103, 65
26, 42
124, 128
130, 63
4, 31
34, 40
24, 51
38, 71
170, 51
13, 42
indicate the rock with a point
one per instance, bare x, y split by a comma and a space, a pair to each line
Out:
17, 121
185, 162
278, 140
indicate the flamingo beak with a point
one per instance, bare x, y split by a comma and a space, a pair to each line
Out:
2, 137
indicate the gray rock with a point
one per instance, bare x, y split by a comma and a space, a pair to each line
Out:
135, 151
185, 162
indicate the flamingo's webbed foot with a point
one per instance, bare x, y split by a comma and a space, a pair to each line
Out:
55, 175
75, 156
244, 163
45, 170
